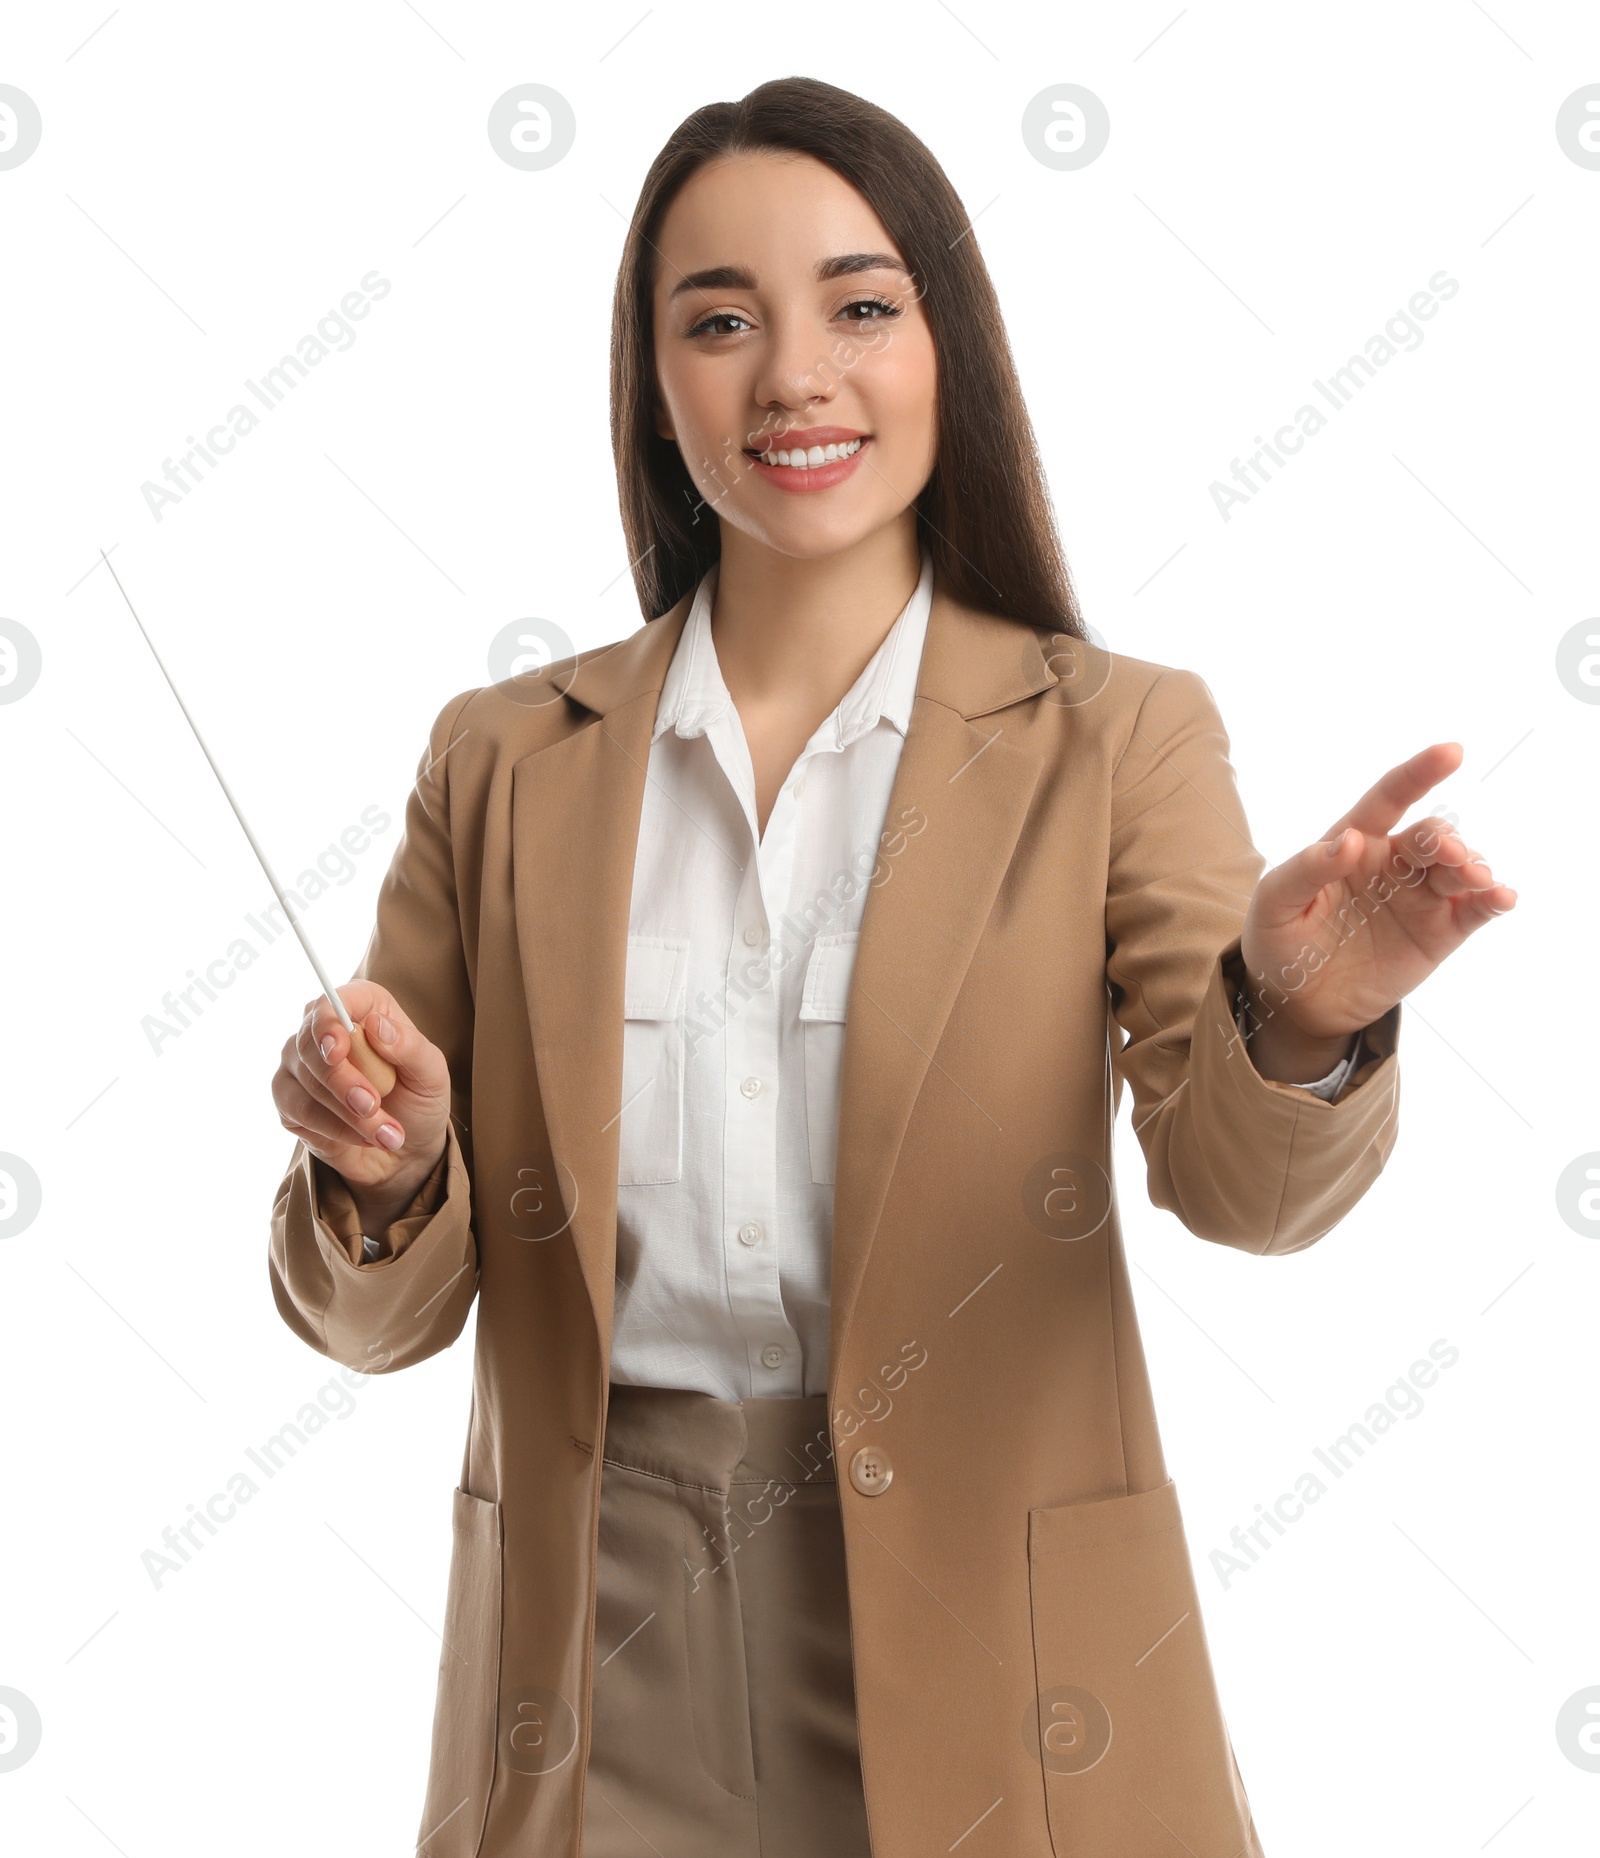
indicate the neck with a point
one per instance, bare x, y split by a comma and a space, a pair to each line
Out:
796, 633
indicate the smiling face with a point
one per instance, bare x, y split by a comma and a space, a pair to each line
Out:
795, 365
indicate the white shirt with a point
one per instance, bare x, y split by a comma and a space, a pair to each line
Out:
740, 951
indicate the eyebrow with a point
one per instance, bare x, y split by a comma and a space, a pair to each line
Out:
737, 277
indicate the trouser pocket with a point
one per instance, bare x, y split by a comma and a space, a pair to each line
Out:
671, 1702
714, 1647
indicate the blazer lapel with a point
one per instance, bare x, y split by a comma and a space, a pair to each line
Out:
972, 787
576, 807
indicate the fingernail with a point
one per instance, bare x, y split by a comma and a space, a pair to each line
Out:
386, 1030
362, 1101
326, 1047
1334, 846
391, 1135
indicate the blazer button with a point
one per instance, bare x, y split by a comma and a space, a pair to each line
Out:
871, 1470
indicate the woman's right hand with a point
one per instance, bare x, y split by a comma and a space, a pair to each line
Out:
384, 1151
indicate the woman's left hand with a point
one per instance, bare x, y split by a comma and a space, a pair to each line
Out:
1337, 934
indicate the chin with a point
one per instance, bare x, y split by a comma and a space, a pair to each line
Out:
814, 539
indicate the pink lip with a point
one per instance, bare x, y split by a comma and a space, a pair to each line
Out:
820, 477
807, 436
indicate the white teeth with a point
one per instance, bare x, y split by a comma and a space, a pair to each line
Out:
809, 460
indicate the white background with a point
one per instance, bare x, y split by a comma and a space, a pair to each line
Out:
1279, 181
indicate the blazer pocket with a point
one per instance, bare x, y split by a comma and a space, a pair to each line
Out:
464, 1726
1126, 1722
823, 1003
650, 1147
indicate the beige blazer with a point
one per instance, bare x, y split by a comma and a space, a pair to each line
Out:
1055, 915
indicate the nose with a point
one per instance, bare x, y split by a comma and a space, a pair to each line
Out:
796, 371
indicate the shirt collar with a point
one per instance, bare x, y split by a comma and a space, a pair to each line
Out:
693, 694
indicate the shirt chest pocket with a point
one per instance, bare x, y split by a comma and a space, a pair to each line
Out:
650, 1145
822, 1025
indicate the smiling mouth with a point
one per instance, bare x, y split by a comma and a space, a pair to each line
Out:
811, 458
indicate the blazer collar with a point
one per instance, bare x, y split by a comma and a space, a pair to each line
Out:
965, 664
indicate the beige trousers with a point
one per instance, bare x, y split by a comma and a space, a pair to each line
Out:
724, 1702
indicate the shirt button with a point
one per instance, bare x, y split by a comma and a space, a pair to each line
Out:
751, 1086
871, 1471
753, 934
772, 1355
750, 1234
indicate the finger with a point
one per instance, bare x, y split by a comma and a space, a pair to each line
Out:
323, 1048
1483, 906
1432, 848
320, 1128
1289, 889
359, 1119
327, 1045
1388, 800
305, 1065
321, 1053
389, 1032
1469, 880
359, 998
301, 1110
1468, 876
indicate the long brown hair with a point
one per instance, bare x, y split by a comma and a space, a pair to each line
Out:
985, 514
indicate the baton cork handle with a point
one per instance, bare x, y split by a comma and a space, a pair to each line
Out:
378, 1072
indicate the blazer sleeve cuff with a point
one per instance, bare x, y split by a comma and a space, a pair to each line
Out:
1266, 1164
393, 1311
334, 1205
1376, 1058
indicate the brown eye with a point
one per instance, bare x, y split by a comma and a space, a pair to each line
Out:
704, 326
883, 308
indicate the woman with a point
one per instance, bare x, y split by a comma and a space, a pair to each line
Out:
761, 990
